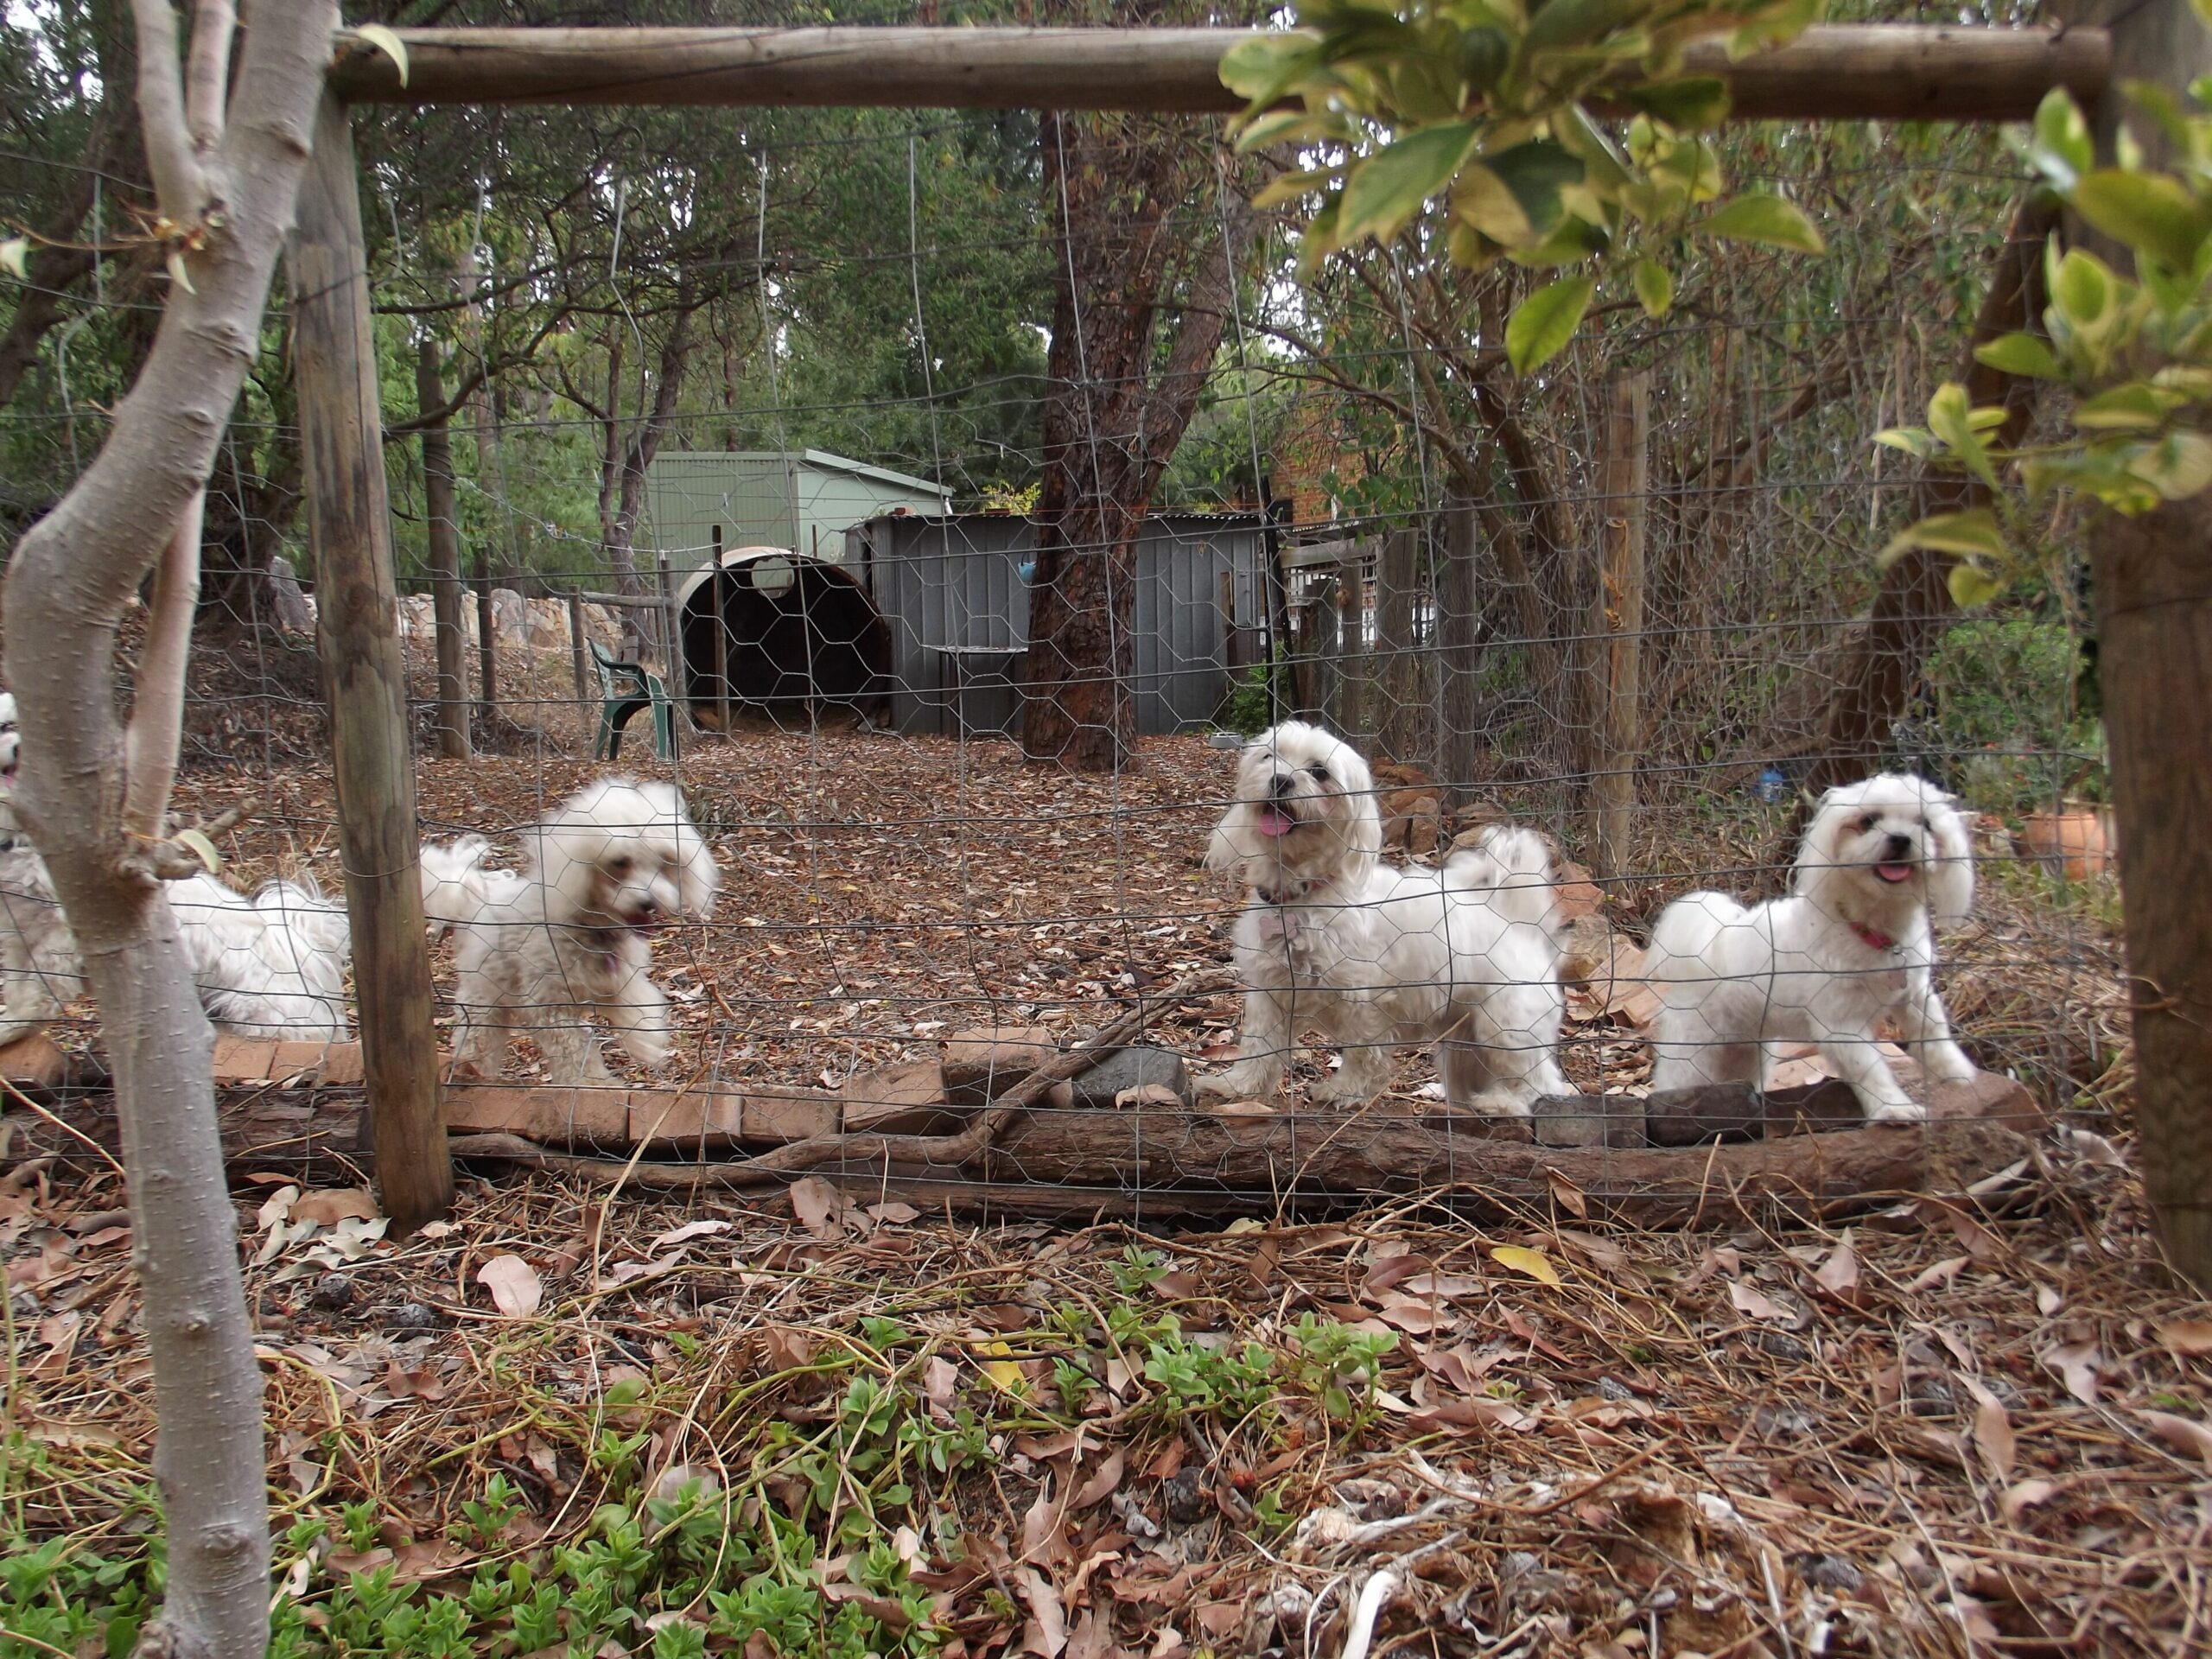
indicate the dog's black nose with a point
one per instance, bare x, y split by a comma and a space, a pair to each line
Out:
648, 904
1280, 785
1897, 849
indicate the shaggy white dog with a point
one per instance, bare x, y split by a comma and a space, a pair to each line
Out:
271, 966
1373, 957
1852, 945
456, 885
574, 939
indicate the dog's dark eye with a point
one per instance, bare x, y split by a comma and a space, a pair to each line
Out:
1869, 821
1320, 774
617, 866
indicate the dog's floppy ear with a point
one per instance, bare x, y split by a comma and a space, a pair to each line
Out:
1817, 851
1363, 821
699, 878
1950, 861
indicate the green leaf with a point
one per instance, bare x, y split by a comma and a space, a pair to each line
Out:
1541, 325
1763, 218
2178, 465
2021, 354
2204, 9
1689, 106
2137, 405
1277, 125
2059, 146
1513, 197
1971, 585
1950, 417
1261, 68
2154, 215
1388, 187
1913, 440
1575, 22
2081, 289
1571, 241
1655, 287
1972, 533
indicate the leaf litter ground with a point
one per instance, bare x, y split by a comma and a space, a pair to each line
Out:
1959, 1427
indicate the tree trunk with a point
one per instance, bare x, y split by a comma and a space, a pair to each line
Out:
1912, 608
1113, 414
622, 492
2153, 578
68, 584
445, 559
484, 416
112, 149
1459, 633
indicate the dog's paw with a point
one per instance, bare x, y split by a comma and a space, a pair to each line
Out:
1898, 1111
1952, 1067
1238, 1083
1491, 1103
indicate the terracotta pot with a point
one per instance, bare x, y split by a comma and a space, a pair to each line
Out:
2078, 839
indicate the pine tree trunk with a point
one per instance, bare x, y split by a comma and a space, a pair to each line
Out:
445, 559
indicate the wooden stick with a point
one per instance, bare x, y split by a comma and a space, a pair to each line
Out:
350, 527
1868, 72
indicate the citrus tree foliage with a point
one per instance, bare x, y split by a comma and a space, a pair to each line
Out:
2133, 352
1475, 117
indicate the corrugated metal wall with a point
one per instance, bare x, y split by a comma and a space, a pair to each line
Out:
952, 592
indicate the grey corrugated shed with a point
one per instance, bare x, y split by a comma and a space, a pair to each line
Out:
805, 500
951, 591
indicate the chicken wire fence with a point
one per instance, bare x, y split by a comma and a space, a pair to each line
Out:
807, 510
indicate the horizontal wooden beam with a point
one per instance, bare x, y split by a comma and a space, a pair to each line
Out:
1854, 72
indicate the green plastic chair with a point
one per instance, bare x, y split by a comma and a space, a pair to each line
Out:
626, 688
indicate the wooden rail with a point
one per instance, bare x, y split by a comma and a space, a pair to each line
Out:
1845, 72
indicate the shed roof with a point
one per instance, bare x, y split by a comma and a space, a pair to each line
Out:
820, 459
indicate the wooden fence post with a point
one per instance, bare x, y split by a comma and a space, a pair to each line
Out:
349, 523
1617, 623
2152, 578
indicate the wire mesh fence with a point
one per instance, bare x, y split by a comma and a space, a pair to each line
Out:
777, 467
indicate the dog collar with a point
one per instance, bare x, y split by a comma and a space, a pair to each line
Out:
1280, 896
1874, 938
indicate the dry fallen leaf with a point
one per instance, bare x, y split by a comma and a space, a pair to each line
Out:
1993, 1431
2076, 1364
689, 1230
516, 1289
2024, 1496
1535, 1263
2191, 1339
1568, 1196
333, 1204
1750, 1300
1839, 1274
820, 1208
1103, 1482
2184, 1434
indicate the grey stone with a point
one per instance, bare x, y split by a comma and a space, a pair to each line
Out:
1132, 1068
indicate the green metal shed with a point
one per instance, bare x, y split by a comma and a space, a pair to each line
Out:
802, 500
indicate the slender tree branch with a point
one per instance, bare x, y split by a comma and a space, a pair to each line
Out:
180, 183
152, 740
208, 76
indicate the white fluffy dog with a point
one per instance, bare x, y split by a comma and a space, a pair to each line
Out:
271, 966
1374, 957
574, 938
456, 885
1852, 945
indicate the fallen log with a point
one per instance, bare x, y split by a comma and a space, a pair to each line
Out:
1163, 1161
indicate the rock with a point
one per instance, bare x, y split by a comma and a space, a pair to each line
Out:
1391, 775
1836, 1572
295, 610
1224, 741
1587, 1121
333, 1292
510, 617
1578, 895
1588, 948
1182, 1498
1413, 820
414, 1316
1136, 1067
